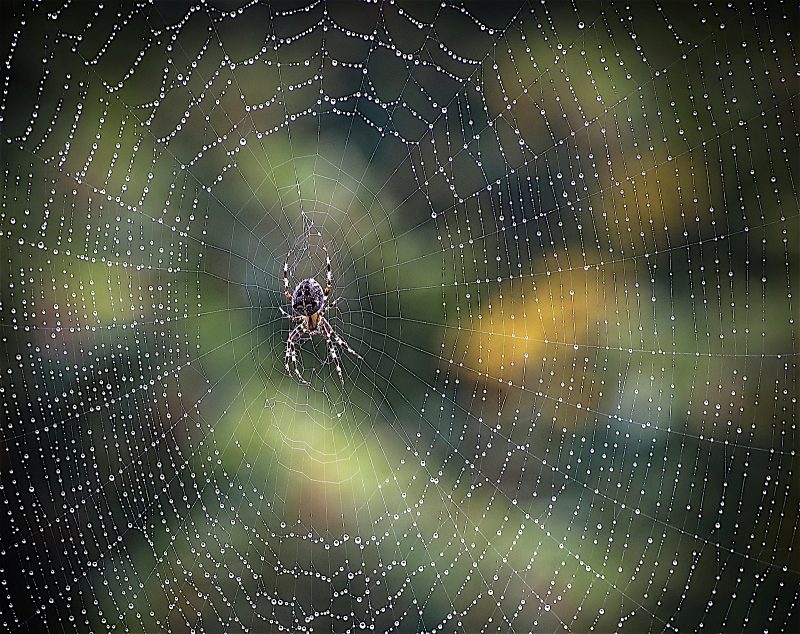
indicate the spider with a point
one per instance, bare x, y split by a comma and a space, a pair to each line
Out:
310, 301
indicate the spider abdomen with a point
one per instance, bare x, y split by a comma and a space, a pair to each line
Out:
308, 297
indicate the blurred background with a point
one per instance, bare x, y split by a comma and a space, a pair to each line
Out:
564, 240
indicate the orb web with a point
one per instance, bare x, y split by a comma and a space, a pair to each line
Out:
563, 239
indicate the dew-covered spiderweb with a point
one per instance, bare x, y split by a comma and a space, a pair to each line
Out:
563, 237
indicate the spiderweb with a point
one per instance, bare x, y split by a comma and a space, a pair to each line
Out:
564, 238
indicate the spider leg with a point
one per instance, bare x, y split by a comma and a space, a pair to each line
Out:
286, 277
291, 353
335, 336
333, 355
328, 274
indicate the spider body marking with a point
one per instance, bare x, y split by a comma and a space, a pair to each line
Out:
310, 301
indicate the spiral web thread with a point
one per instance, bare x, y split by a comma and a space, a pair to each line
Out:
564, 238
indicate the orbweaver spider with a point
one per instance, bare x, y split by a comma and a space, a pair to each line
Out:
310, 301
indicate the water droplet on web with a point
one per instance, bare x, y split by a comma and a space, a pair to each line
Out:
523, 419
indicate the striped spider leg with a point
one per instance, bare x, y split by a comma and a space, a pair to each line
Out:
291, 352
333, 339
